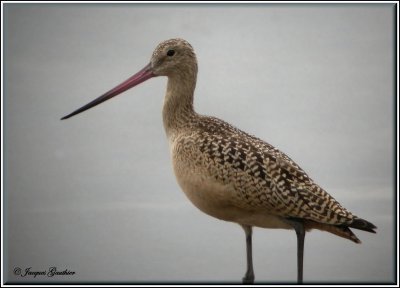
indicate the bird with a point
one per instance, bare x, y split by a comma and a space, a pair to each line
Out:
232, 175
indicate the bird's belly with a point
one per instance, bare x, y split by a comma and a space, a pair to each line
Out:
216, 199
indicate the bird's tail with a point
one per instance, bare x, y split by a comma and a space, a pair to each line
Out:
344, 230
362, 224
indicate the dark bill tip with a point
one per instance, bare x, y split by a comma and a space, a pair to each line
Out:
136, 79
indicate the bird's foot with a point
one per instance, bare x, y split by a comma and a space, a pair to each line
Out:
248, 278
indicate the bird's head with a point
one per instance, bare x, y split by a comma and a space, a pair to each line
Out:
172, 58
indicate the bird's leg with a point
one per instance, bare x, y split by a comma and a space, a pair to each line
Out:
249, 276
298, 226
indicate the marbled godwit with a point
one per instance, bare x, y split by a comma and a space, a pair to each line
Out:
230, 174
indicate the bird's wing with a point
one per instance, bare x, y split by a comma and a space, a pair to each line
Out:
302, 197
264, 177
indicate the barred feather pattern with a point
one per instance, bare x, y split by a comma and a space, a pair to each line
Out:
262, 176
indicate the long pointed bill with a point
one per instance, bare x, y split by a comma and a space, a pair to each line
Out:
136, 79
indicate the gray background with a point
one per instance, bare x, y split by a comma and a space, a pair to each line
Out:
96, 194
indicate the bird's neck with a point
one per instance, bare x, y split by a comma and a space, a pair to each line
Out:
178, 108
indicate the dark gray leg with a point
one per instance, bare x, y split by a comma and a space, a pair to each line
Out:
249, 276
301, 233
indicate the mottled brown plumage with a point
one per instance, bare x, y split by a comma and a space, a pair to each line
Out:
261, 179
230, 174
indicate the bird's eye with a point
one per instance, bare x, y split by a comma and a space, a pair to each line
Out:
171, 52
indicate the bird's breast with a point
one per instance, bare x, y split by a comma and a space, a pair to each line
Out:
197, 182
198, 177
